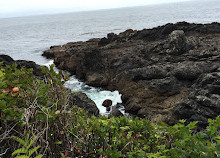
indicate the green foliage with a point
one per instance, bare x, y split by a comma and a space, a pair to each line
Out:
43, 109
26, 151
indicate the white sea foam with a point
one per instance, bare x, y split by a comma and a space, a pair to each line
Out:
49, 63
96, 94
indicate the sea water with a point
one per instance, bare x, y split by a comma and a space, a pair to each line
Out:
27, 37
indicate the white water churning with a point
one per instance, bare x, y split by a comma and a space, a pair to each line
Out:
98, 95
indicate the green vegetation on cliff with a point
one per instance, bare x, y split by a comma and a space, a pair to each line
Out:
37, 118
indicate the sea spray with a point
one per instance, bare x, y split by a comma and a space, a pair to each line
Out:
98, 95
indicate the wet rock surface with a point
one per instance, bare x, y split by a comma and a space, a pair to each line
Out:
80, 99
107, 103
115, 112
166, 73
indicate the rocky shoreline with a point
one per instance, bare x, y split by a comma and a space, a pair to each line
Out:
166, 73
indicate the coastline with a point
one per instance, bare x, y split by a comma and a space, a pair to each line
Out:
158, 71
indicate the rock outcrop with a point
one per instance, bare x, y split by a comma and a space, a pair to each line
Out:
7, 60
115, 112
81, 99
166, 73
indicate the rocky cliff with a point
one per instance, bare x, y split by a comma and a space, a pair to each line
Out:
166, 73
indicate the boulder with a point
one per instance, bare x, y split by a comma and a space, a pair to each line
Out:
108, 108
115, 112
81, 99
177, 42
191, 70
204, 100
107, 103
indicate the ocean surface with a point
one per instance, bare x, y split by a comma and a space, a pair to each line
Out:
27, 37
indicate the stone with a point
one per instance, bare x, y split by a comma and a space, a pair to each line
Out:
107, 103
81, 99
201, 106
177, 42
108, 108
115, 112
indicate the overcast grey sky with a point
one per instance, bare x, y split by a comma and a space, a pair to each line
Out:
9, 8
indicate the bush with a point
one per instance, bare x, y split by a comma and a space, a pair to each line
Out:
41, 109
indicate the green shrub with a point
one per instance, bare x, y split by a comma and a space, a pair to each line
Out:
42, 108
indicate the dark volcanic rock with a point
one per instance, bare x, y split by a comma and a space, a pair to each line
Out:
81, 100
115, 112
28, 65
108, 108
107, 103
165, 73
7, 60
203, 101
177, 43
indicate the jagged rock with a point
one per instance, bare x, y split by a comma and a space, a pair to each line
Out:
191, 70
158, 71
107, 103
204, 100
177, 42
115, 112
81, 99
7, 60
96, 79
112, 36
30, 64
108, 108
104, 41
148, 73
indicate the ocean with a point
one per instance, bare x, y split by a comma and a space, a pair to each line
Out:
27, 37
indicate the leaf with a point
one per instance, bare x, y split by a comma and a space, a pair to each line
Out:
19, 140
201, 135
19, 151
62, 155
27, 139
31, 151
57, 112
58, 142
39, 156
31, 142
192, 125
182, 121
218, 139
22, 156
